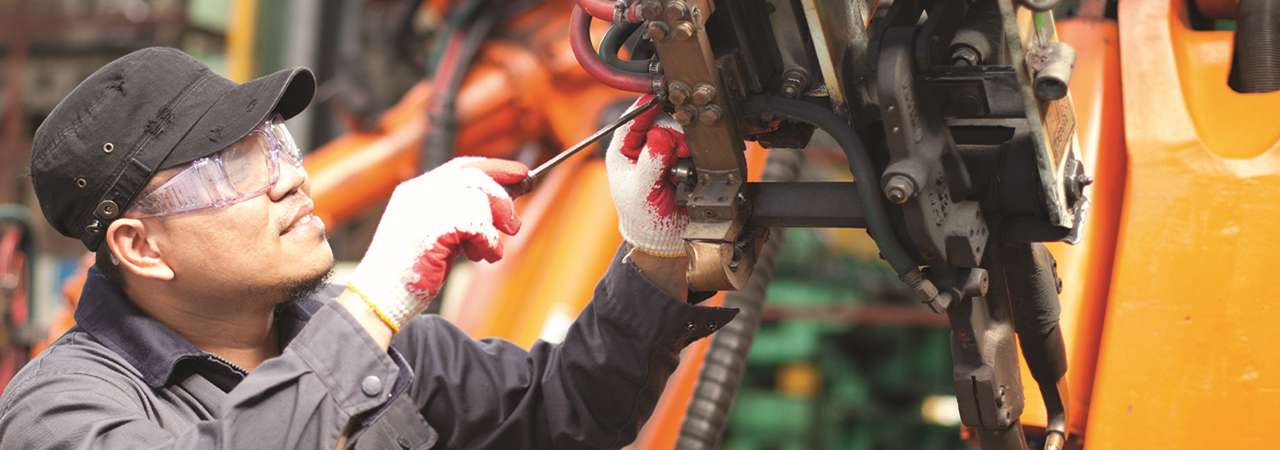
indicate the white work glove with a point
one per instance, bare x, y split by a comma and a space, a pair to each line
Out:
639, 161
458, 207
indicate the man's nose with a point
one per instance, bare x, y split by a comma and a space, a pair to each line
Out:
292, 178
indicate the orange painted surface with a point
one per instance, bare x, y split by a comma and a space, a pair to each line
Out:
1188, 357
1085, 269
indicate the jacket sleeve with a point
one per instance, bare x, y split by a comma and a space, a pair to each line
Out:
593, 390
302, 399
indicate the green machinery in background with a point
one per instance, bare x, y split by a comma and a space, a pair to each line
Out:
844, 359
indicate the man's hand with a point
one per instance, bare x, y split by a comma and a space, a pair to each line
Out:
458, 207
639, 161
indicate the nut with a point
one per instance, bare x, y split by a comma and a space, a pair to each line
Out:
899, 189
703, 94
676, 10
709, 115
656, 31
684, 30
650, 9
678, 92
685, 115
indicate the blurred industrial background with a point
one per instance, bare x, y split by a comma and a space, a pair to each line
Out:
846, 357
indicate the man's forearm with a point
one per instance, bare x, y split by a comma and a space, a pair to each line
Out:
667, 274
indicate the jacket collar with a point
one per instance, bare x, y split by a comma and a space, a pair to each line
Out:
155, 350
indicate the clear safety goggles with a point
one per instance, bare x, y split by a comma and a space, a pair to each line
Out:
242, 171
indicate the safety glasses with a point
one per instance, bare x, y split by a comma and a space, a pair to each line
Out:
240, 172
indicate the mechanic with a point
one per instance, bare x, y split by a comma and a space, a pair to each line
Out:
206, 323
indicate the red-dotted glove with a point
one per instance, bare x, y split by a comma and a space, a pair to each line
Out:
458, 207
639, 162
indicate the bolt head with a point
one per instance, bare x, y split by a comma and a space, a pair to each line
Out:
676, 10
650, 9
709, 115
656, 31
683, 30
703, 94
686, 115
678, 92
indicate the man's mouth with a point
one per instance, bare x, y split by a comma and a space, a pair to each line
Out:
302, 218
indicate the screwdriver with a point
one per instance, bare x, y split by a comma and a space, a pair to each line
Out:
524, 186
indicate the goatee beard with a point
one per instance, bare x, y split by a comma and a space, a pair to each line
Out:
304, 287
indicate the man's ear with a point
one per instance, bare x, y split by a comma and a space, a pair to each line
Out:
136, 251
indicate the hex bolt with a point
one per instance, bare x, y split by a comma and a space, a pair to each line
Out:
676, 10
703, 93
684, 30
793, 82
709, 115
650, 9
677, 92
656, 31
686, 115
899, 189
965, 55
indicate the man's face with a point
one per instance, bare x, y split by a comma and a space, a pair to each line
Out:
265, 247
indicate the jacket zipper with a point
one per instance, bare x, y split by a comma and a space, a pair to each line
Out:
238, 369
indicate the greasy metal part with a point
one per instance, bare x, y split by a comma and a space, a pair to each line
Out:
1034, 288
965, 55
947, 228
835, 27
786, 24
985, 363
1051, 124
1052, 65
726, 358
806, 205
714, 235
794, 82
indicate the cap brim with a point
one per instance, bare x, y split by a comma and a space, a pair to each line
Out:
242, 109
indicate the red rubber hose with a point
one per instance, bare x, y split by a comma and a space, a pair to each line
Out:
585, 52
600, 9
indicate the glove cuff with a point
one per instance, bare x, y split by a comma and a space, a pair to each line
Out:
666, 243
396, 307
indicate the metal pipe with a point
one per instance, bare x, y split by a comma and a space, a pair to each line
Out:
584, 51
727, 357
864, 173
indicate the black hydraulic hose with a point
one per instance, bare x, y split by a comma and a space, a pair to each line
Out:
868, 182
403, 38
613, 41
1258, 45
437, 145
726, 359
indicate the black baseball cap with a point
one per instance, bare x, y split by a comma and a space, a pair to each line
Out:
147, 111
